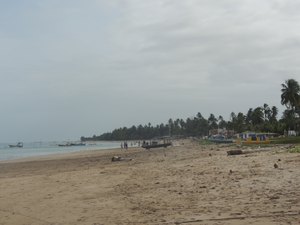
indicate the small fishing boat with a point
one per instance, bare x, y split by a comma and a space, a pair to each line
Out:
18, 145
163, 143
220, 139
78, 144
71, 144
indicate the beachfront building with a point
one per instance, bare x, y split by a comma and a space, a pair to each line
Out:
253, 138
291, 133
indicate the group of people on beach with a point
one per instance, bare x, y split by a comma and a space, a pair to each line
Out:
124, 145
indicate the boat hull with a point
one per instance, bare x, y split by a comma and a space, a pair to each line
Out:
19, 145
221, 141
157, 145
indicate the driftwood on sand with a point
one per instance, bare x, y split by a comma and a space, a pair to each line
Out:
235, 152
119, 158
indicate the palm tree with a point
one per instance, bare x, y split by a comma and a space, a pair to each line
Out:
289, 119
212, 121
239, 125
290, 96
267, 112
199, 115
258, 118
249, 119
274, 113
221, 122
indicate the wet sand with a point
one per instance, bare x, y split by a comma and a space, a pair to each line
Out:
184, 184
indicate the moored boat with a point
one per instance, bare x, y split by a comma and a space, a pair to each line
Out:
220, 139
159, 143
18, 145
71, 144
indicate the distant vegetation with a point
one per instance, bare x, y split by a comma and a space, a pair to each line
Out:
260, 119
286, 140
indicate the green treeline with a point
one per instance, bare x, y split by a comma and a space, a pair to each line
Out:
260, 119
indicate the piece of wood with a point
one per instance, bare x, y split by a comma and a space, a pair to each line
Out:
235, 152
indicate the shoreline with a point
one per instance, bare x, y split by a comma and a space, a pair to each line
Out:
183, 184
63, 155
47, 149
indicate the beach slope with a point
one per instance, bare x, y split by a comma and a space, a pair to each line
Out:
183, 184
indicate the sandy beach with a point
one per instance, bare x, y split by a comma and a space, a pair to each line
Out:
184, 184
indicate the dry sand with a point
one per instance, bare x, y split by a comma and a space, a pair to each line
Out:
185, 184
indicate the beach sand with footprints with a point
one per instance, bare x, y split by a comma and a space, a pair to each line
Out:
184, 184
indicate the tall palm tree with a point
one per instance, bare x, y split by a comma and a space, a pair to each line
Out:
221, 122
249, 118
274, 113
258, 116
239, 125
289, 119
267, 112
212, 121
290, 96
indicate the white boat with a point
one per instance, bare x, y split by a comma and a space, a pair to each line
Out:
18, 145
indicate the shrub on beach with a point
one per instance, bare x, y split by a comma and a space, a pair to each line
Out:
296, 149
286, 140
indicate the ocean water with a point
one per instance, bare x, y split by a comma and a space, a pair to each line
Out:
47, 148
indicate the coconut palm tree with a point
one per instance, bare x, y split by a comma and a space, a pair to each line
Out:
221, 122
212, 121
290, 96
289, 119
267, 112
258, 118
274, 113
239, 125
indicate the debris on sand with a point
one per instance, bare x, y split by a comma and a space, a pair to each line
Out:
119, 158
235, 152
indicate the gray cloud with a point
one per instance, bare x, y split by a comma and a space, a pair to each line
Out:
71, 68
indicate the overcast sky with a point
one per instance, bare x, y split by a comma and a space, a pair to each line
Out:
71, 68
